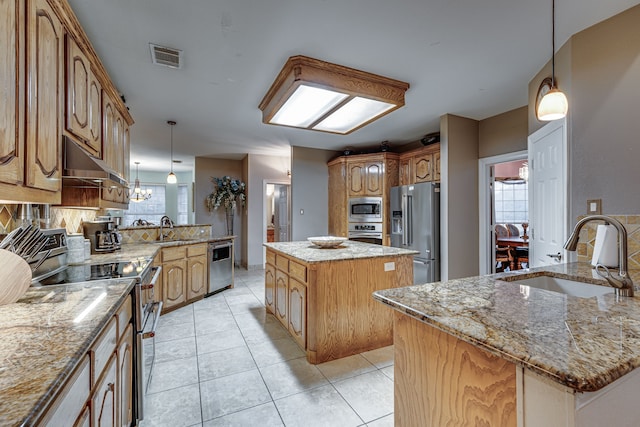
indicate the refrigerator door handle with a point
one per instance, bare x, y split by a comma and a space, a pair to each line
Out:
415, 261
404, 219
409, 214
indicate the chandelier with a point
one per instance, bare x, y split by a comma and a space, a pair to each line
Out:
137, 194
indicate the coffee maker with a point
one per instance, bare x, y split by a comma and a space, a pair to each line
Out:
102, 235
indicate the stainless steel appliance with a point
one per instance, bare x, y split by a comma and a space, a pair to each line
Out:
102, 235
220, 256
365, 209
415, 224
45, 250
367, 232
146, 311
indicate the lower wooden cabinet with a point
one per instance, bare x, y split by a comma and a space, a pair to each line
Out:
297, 311
282, 291
125, 378
104, 402
72, 399
270, 287
185, 275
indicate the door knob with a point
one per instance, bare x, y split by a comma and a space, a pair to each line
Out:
557, 256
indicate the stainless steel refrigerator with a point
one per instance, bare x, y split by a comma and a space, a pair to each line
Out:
415, 224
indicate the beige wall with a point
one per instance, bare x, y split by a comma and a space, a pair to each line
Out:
459, 196
503, 133
599, 71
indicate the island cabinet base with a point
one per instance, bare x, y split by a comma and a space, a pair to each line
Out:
440, 380
328, 306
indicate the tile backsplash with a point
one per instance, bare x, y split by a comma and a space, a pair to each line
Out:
71, 219
588, 238
150, 233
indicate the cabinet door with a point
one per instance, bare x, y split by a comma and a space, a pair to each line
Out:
406, 171
11, 107
436, 166
373, 179
356, 172
104, 400
118, 158
108, 131
298, 311
270, 288
174, 276
197, 280
94, 142
125, 378
126, 148
423, 165
77, 93
84, 420
44, 86
282, 285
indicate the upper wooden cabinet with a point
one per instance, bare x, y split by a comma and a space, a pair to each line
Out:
83, 99
420, 165
365, 178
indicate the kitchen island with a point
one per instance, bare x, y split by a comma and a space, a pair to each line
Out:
490, 350
323, 296
45, 338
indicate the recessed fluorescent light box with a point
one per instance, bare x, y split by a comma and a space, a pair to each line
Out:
318, 95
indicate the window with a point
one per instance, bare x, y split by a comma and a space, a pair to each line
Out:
511, 200
151, 210
183, 204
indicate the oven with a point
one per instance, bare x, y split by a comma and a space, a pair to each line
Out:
367, 232
365, 209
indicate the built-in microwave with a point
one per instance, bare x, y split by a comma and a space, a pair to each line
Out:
365, 209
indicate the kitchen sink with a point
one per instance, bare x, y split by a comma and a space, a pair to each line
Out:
563, 286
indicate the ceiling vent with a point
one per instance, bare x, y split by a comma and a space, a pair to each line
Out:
166, 56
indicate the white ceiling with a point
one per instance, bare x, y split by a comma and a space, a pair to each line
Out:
472, 58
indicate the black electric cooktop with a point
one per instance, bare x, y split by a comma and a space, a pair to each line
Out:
88, 272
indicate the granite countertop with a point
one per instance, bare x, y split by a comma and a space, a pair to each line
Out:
42, 340
581, 343
309, 253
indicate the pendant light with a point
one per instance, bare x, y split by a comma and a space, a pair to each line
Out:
554, 104
171, 178
137, 194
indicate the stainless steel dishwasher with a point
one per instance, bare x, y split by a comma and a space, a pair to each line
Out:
220, 256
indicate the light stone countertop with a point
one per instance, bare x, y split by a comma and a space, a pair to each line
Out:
581, 343
41, 344
310, 253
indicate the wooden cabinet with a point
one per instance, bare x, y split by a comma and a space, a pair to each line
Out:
185, 275
197, 279
125, 378
104, 402
282, 291
71, 401
270, 287
361, 175
365, 178
83, 99
420, 165
297, 311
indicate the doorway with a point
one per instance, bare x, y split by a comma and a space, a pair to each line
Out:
503, 197
277, 224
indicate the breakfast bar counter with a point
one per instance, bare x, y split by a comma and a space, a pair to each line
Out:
322, 296
569, 349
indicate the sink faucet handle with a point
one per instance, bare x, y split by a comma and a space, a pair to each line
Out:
622, 284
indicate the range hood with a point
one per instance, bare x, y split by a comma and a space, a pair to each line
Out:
80, 166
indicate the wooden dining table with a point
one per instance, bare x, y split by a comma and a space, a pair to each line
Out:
513, 242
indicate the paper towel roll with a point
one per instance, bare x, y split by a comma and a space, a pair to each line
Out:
605, 250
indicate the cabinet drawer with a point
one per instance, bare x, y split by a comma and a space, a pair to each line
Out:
298, 271
123, 316
173, 254
102, 349
271, 258
195, 250
282, 263
72, 399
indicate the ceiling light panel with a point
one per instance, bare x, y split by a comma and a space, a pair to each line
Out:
365, 96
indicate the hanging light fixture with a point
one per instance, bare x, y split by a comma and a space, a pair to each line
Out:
137, 194
554, 104
523, 172
171, 178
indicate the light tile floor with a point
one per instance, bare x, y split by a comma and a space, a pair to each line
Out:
224, 361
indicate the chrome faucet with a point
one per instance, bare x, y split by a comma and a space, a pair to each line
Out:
165, 221
623, 284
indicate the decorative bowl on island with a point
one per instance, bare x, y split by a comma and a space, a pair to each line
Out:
327, 241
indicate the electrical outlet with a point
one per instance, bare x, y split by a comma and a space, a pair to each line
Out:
389, 266
594, 207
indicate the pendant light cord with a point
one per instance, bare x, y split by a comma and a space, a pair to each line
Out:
553, 43
171, 148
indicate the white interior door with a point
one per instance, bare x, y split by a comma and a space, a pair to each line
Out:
548, 190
